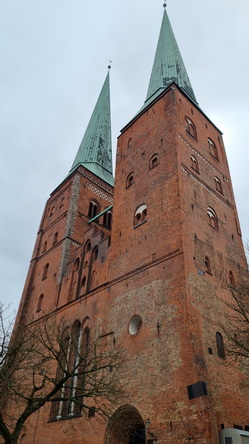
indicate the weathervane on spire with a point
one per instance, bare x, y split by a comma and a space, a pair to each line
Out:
109, 66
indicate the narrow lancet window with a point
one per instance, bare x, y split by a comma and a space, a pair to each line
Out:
93, 209
129, 180
208, 265
194, 164
45, 271
190, 127
154, 161
213, 149
220, 345
218, 185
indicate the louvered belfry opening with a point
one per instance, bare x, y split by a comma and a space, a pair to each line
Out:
126, 426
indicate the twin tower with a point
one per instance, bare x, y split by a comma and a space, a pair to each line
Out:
147, 264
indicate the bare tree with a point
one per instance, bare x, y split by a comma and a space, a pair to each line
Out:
237, 326
51, 363
6, 326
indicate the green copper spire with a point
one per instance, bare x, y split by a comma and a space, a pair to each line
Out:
95, 151
168, 64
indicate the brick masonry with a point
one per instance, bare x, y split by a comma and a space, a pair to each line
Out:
154, 269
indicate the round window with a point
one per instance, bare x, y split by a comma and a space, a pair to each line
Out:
135, 324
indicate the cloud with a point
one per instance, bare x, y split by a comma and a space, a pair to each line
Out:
54, 60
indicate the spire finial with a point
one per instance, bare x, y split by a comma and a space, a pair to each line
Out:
168, 65
109, 66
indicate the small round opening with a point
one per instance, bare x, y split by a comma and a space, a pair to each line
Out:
135, 324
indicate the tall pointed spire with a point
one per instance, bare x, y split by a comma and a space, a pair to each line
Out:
95, 151
168, 65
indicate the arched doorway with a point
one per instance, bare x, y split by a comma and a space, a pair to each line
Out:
126, 426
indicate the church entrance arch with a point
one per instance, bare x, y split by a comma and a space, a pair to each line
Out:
126, 426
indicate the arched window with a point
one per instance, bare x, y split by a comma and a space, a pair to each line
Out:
129, 143
213, 149
207, 265
51, 211
212, 218
129, 180
62, 202
190, 127
44, 247
88, 246
58, 408
80, 381
220, 345
83, 282
55, 240
231, 279
154, 161
69, 360
73, 289
75, 346
140, 215
85, 341
45, 271
107, 219
218, 185
93, 209
39, 303
74, 362
194, 164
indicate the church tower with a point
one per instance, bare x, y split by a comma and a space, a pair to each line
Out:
176, 238
156, 278
84, 193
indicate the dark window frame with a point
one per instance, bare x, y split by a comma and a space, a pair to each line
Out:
129, 180
220, 345
93, 209
107, 219
208, 268
154, 161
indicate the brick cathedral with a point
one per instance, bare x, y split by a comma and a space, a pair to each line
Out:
147, 263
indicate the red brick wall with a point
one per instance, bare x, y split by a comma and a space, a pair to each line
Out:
155, 270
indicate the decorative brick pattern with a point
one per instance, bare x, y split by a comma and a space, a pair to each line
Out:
99, 193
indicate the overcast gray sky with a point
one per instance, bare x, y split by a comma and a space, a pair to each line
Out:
54, 56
